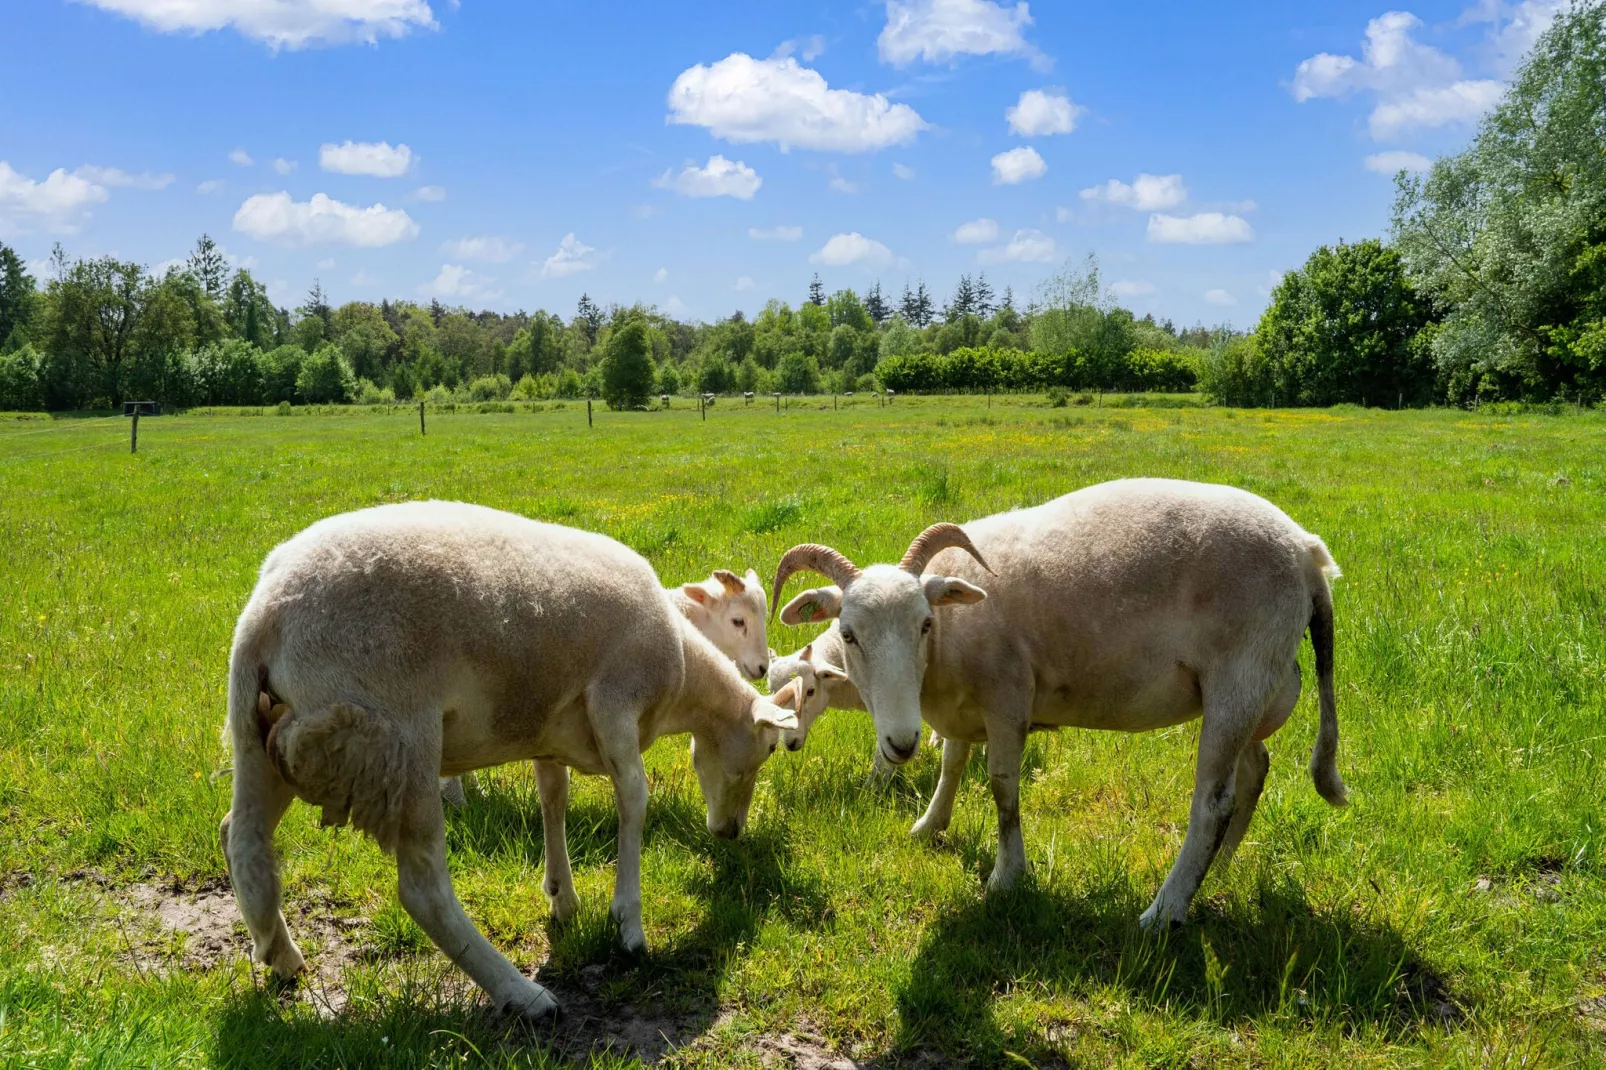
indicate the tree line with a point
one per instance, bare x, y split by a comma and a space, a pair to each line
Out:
1490, 285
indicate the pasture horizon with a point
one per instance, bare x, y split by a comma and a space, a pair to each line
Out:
1451, 915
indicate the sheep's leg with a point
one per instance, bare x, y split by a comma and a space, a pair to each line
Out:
425, 889
1006, 742
260, 799
955, 754
1254, 762
1249, 782
552, 780
452, 792
630, 795
1231, 713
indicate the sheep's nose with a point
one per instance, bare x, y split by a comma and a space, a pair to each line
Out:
900, 754
794, 744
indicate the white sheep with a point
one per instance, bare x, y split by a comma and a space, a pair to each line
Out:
386, 647
1131, 606
728, 609
824, 683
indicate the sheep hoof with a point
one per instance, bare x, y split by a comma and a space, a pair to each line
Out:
284, 959
565, 903
1002, 880
534, 1004
1158, 919
926, 830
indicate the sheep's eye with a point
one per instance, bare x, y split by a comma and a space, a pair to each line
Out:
849, 638
739, 622
925, 627
811, 693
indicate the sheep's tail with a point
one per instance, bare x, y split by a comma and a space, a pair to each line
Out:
1324, 756
353, 762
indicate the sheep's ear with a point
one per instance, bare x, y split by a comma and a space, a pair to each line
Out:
822, 603
830, 672
774, 712
753, 582
948, 591
696, 592
729, 580
803, 655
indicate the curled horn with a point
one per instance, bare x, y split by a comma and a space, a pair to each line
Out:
934, 540
812, 557
732, 582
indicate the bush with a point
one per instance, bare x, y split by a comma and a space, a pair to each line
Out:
1058, 397
798, 373
526, 389
490, 388
367, 392
326, 378
438, 395
227, 373
568, 384
281, 368
19, 380
284, 409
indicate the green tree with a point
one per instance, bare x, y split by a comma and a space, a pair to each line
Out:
92, 309
361, 332
19, 380
227, 373
208, 267
248, 311
816, 291
1344, 328
1504, 236
326, 378
18, 299
627, 374
798, 373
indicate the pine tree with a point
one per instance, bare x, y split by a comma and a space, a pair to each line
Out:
590, 316
984, 297
16, 294
907, 308
875, 304
964, 300
317, 303
817, 292
208, 266
923, 306
437, 311
1008, 303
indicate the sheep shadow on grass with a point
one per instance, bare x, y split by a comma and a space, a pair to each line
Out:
1269, 956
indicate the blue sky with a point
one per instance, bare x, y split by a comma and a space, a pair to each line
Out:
707, 156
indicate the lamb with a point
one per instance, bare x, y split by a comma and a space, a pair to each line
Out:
727, 609
1131, 606
823, 684
386, 647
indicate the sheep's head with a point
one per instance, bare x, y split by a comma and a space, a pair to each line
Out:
814, 677
885, 613
727, 759
731, 611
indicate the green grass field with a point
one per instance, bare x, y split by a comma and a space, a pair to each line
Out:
1454, 914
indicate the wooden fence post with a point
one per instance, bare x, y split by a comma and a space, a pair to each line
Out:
588, 412
133, 433
421, 430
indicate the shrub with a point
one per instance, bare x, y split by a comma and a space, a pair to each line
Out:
798, 373
1059, 397
283, 409
489, 388
627, 372
325, 378
526, 389
19, 380
367, 392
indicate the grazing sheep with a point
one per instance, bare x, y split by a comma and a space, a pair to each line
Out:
824, 685
727, 609
1131, 606
386, 647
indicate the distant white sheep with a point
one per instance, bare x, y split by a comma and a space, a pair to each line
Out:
386, 647
1131, 606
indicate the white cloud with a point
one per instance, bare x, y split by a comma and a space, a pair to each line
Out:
1272, 280
977, 232
376, 158
1039, 112
1147, 193
1018, 165
840, 184
810, 47
743, 283
112, 176
457, 281
430, 193
363, 278
1461, 102
675, 307
901, 171
282, 23
1515, 27
781, 233
1205, 228
854, 248
938, 31
211, 185
274, 217
661, 275
743, 99
241, 158
326, 264
573, 256
1027, 246
1219, 298
284, 166
721, 178
1393, 162
61, 201
1063, 214
1131, 288
491, 247
1416, 85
